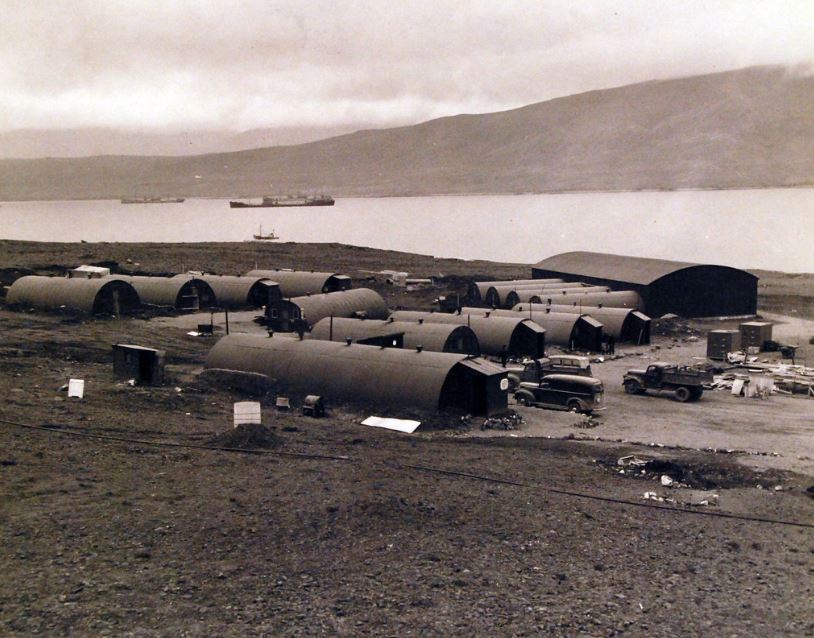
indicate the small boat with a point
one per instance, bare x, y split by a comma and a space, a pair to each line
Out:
152, 200
261, 237
286, 200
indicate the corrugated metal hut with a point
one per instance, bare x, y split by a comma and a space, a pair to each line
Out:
357, 303
500, 296
183, 293
573, 331
241, 292
434, 337
383, 377
297, 283
531, 294
623, 324
516, 335
91, 296
686, 289
476, 291
615, 299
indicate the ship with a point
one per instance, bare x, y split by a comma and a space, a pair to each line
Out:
152, 200
261, 237
285, 200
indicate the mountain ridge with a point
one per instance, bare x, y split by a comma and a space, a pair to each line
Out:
734, 129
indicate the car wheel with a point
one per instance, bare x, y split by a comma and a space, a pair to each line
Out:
574, 406
682, 394
522, 399
633, 387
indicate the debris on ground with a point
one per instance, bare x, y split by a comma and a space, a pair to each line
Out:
246, 437
587, 422
510, 421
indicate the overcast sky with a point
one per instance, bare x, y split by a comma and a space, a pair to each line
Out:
181, 65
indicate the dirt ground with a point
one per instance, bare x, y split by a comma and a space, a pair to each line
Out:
339, 529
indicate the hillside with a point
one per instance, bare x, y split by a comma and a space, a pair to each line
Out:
747, 128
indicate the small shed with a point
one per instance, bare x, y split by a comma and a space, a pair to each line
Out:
183, 292
297, 283
755, 334
357, 303
386, 378
144, 365
106, 296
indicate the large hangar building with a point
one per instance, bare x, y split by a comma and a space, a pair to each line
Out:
685, 289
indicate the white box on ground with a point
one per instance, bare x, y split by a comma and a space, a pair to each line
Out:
401, 425
76, 388
247, 413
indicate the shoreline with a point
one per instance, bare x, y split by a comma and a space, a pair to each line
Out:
681, 189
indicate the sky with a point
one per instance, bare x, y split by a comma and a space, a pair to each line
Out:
176, 65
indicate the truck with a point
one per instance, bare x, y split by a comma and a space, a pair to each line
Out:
685, 381
533, 371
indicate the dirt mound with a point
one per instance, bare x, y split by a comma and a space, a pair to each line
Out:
246, 437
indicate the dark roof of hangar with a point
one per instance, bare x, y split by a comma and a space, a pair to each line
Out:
635, 270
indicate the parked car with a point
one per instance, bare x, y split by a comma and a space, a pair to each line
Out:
533, 371
563, 392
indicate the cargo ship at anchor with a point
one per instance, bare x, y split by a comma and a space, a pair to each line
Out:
152, 200
285, 200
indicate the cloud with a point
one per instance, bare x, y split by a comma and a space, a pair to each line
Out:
275, 63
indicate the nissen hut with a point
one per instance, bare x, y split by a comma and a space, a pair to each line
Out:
573, 331
359, 302
92, 296
235, 292
183, 293
514, 335
433, 337
385, 378
297, 283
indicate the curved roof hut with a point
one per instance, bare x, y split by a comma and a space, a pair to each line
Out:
515, 335
686, 289
184, 292
357, 303
614, 299
476, 291
434, 337
571, 330
623, 324
502, 296
91, 296
297, 283
241, 292
384, 377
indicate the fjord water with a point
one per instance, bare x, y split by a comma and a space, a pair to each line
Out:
760, 228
